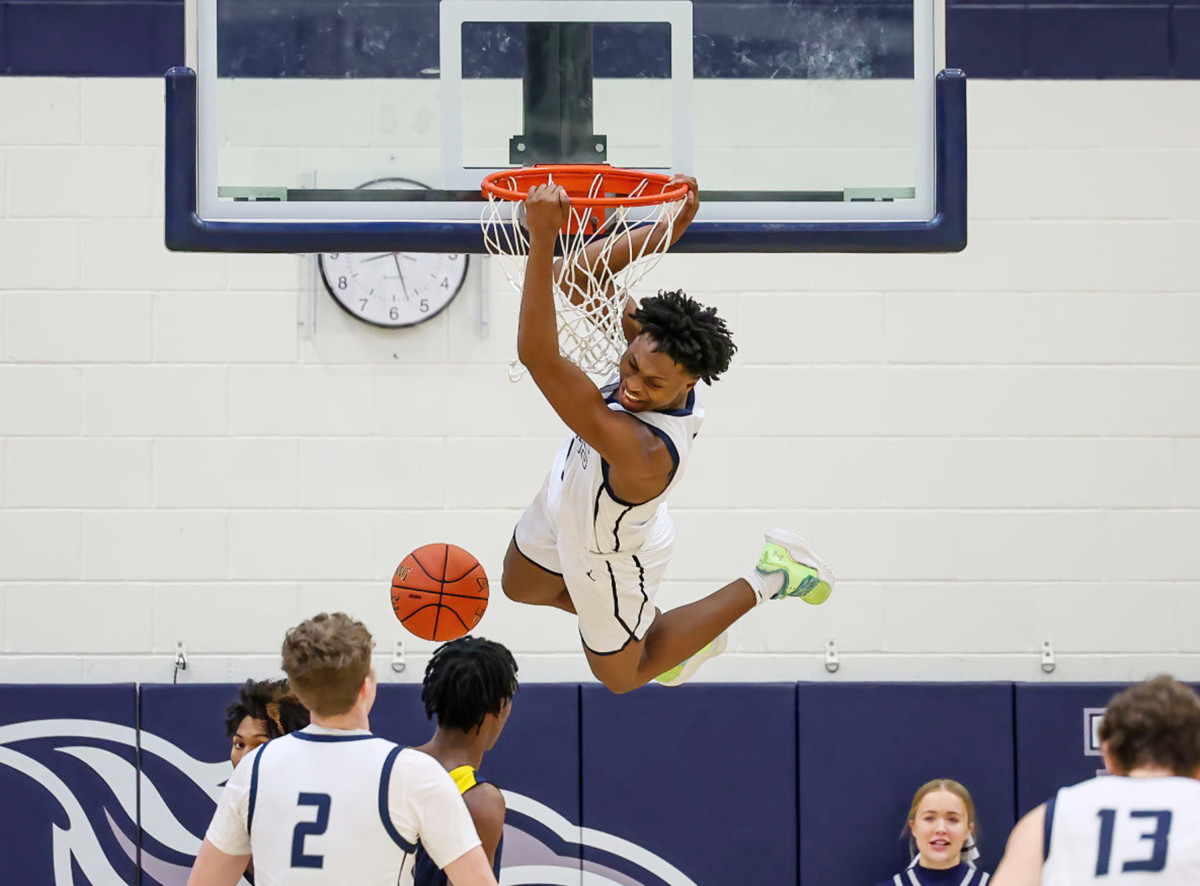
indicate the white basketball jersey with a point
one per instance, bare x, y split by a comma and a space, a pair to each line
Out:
586, 507
1116, 830
330, 808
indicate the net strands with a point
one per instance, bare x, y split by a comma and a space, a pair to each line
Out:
589, 296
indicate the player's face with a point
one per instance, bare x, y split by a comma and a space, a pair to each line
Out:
251, 732
650, 379
940, 828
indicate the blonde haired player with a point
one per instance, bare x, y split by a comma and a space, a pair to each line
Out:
1139, 825
332, 804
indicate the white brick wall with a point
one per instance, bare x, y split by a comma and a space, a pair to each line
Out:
994, 449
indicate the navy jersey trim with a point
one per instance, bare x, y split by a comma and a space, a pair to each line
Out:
666, 438
308, 736
592, 651
642, 591
570, 449
687, 408
671, 450
1047, 827
607, 487
385, 779
531, 560
612, 581
254, 787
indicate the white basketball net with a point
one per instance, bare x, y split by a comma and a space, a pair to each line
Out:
589, 309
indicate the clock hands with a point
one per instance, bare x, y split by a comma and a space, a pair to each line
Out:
399, 274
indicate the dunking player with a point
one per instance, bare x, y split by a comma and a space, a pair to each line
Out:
469, 686
597, 539
1142, 826
332, 804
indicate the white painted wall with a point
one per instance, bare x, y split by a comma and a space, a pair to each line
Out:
993, 449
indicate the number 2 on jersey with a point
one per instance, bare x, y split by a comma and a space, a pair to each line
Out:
1158, 837
310, 829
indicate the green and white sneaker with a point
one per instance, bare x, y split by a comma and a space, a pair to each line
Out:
686, 669
804, 574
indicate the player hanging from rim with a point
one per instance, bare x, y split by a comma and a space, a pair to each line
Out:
332, 804
597, 539
469, 686
1140, 827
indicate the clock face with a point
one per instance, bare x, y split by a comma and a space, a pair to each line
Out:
393, 289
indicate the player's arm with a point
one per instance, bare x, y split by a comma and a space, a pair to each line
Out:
618, 438
471, 869
486, 805
215, 868
1022, 862
644, 240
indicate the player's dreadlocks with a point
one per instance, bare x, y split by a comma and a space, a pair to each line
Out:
687, 332
271, 701
467, 679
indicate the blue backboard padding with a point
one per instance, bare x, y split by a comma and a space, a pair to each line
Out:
44, 731
866, 748
703, 775
1067, 39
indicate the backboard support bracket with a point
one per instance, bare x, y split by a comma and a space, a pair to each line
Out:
558, 100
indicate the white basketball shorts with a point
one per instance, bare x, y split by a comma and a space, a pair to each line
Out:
612, 593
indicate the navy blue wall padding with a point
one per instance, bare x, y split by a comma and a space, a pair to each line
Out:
537, 756
1051, 737
1113, 42
703, 775
866, 748
64, 38
538, 752
986, 41
1185, 41
193, 719
40, 759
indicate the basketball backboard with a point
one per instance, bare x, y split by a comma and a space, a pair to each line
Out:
809, 125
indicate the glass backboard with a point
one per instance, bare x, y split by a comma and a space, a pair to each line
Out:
809, 125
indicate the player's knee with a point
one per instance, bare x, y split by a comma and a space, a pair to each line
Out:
619, 684
620, 687
511, 588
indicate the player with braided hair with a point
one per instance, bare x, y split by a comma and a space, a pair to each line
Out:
264, 709
469, 686
597, 539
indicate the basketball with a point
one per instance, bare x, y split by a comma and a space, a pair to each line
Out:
439, 592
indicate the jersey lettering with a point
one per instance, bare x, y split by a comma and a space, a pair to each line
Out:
307, 829
1156, 863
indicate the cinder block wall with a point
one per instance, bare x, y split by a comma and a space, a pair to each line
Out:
994, 449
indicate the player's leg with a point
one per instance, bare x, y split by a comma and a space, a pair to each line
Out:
533, 571
528, 582
672, 637
674, 643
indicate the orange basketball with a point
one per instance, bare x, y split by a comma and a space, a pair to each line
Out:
439, 592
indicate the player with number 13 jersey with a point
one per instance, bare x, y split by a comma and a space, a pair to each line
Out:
1139, 825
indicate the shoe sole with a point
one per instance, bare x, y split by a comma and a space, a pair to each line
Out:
693, 664
793, 542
